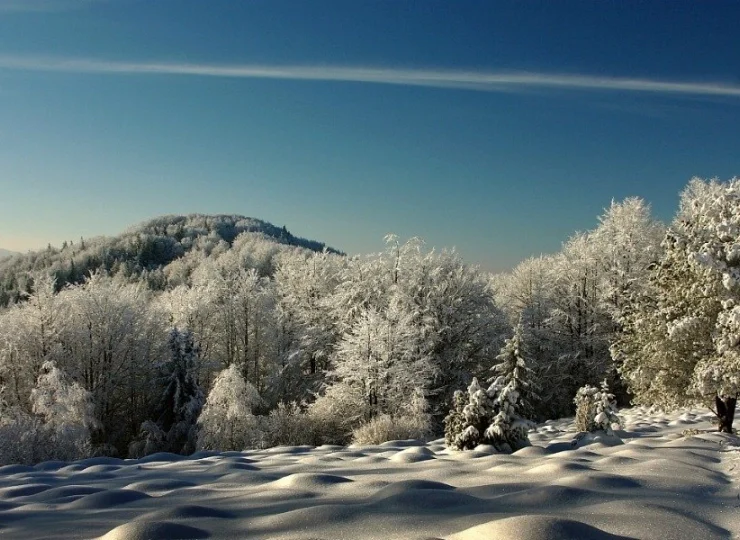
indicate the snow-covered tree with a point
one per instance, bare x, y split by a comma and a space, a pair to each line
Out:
680, 339
113, 338
467, 422
67, 411
29, 336
513, 372
627, 241
596, 409
379, 361
181, 400
580, 327
227, 421
512, 391
305, 286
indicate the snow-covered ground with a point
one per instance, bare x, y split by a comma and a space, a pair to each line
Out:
658, 484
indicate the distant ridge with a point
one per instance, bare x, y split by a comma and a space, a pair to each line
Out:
5, 253
145, 250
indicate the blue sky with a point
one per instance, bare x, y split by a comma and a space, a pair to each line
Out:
496, 127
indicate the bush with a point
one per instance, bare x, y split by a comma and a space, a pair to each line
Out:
287, 425
596, 409
385, 428
334, 415
24, 439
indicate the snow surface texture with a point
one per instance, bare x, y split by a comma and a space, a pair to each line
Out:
658, 484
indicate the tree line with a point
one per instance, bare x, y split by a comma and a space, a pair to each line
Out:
235, 340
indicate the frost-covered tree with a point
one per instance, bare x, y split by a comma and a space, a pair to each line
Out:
580, 327
679, 340
307, 332
378, 361
627, 241
227, 421
67, 412
112, 338
29, 337
195, 308
525, 294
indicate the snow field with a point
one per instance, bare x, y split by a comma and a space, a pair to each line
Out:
655, 484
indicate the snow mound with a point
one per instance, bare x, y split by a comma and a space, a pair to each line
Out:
164, 484
189, 511
23, 491
162, 530
107, 499
309, 481
534, 527
413, 455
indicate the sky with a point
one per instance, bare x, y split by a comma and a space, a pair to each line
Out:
499, 128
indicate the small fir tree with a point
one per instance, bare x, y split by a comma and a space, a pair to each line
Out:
596, 409
512, 385
469, 418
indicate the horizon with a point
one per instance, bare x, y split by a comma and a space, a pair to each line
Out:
497, 128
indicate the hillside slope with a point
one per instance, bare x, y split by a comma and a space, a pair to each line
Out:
146, 249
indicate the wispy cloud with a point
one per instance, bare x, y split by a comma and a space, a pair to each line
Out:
486, 81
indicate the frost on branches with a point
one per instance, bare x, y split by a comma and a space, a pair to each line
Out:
596, 409
494, 415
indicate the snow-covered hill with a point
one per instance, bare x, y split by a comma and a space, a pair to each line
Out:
658, 484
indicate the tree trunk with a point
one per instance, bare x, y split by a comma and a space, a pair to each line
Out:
725, 412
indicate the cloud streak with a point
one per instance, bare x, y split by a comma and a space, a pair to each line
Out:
485, 81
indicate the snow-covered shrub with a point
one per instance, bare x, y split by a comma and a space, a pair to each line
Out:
67, 413
287, 425
151, 439
227, 421
23, 438
335, 414
596, 409
412, 422
385, 427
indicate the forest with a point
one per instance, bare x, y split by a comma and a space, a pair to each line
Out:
202, 332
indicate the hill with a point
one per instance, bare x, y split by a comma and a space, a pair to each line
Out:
149, 248
5, 253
